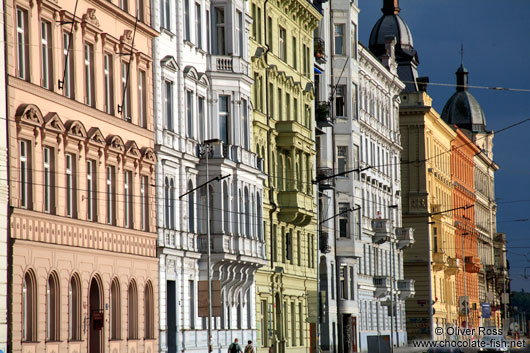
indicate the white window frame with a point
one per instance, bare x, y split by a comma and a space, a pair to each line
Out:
24, 174
48, 175
187, 29
338, 35
220, 31
70, 184
110, 194
89, 74
127, 202
224, 115
68, 86
22, 59
189, 114
90, 190
142, 99
46, 60
168, 104
143, 201
282, 43
198, 25
108, 78
126, 109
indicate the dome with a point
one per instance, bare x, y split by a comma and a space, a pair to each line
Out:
462, 109
391, 25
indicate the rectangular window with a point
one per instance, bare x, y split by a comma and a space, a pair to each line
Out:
202, 119
282, 45
22, 44
333, 269
287, 106
293, 324
89, 75
142, 99
301, 322
46, 55
111, 196
353, 41
165, 14
71, 190
91, 190
289, 246
435, 236
192, 303
168, 105
68, 62
238, 47
187, 34
280, 104
208, 47
126, 92
355, 153
246, 126
340, 110
299, 249
123, 5
224, 117
144, 201
198, 25
344, 220
49, 180
253, 14
342, 159
339, 39
189, 113
269, 34
295, 109
295, 54
220, 30
354, 106
259, 26
352, 287
128, 199
140, 10
343, 284
108, 73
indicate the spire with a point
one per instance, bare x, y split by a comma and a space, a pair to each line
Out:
390, 7
461, 73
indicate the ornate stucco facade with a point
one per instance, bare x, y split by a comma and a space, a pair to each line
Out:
84, 271
281, 43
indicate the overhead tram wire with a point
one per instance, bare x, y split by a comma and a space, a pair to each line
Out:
491, 88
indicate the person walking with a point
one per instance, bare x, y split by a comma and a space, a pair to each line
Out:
235, 347
249, 348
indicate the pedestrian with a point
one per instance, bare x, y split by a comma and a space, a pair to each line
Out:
235, 347
249, 348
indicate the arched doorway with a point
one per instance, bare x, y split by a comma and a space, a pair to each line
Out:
95, 310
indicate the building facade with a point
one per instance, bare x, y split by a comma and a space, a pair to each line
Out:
281, 42
84, 271
203, 132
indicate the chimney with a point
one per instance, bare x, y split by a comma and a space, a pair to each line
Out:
390, 7
389, 59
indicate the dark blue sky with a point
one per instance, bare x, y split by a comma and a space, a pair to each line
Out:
496, 39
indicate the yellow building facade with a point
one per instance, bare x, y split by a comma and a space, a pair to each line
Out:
281, 47
427, 193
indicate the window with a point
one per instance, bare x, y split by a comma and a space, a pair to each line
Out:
189, 113
140, 10
202, 119
109, 83
46, 55
293, 324
142, 99
339, 39
191, 303
298, 248
352, 287
289, 246
115, 310
355, 152
52, 308
224, 117
208, 30
295, 54
333, 280
238, 47
165, 15
71, 190
124, 5
246, 125
132, 312
168, 104
149, 312
259, 217
301, 323
343, 272
435, 236
144, 197
191, 209
29, 308
344, 220
91, 190
269, 33
22, 44
287, 106
89, 75
295, 108
354, 106
111, 197
198, 25
126, 92
342, 159
353, 41
247, 213
74, 309
254, 23
280, 105
68, 62
340, 110
49, 180
220, 30
128, 199
187, 34
258, 25
282, 45
171, 204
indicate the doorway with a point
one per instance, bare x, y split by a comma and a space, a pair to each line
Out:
95, 338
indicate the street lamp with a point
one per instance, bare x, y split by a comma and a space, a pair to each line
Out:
392, 207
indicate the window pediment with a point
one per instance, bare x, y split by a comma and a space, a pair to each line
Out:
54, 123
169, 62
115, 143
76, 129
29, 114
95, 137
191, 72
132, 150
148, 155
90, 25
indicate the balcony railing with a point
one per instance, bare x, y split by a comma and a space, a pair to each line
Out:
322, 115
473, 264
439, 260
382, 286
226, 63
406, 289
381, 228
237, 154
324, 180
405, 237
320, 50
453, 266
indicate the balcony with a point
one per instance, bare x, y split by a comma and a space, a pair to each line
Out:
405, 237
230, 64
226, 245
453, 266
236, 154
381, 228
406, 288
473, 264
324, 180
322, 115
296, 207
320, 50
382, 286
324, 246
439, 260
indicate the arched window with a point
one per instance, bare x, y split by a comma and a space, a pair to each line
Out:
226, 211
52, 308
171, 204
149, 312
74, 309
166, 203
259, 217
132, 312
29, 308
191, 209
115, 310
247, 213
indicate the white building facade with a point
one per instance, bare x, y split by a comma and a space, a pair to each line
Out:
202, 104
380, 276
